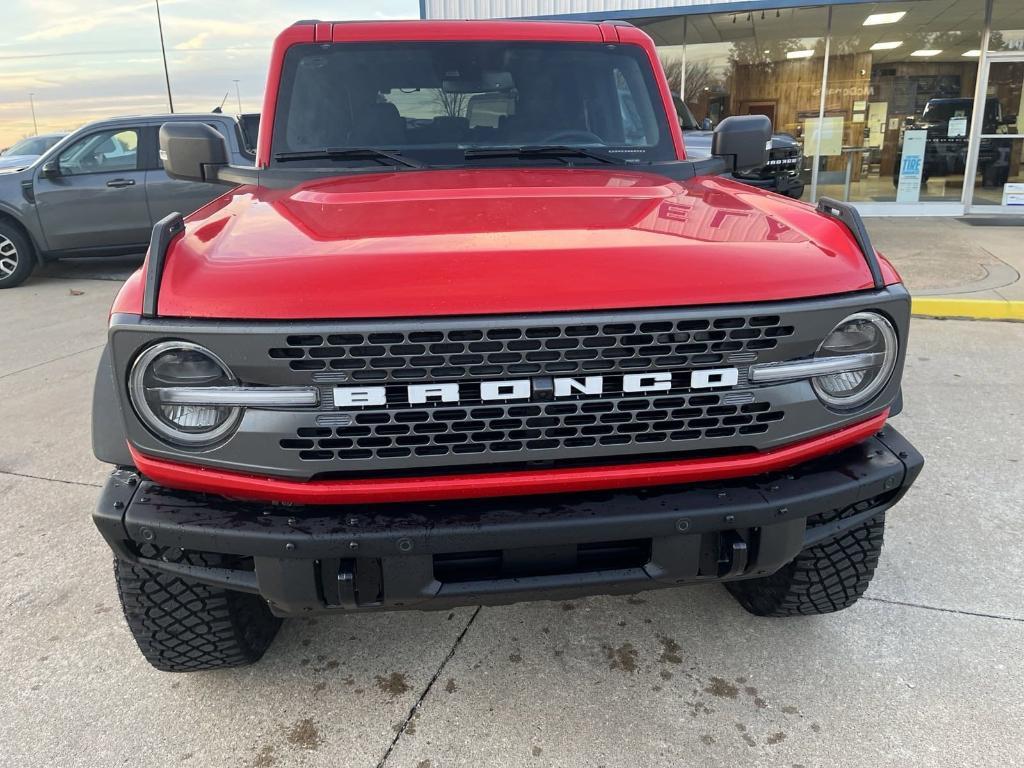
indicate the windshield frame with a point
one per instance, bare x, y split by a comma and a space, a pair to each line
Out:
451, 154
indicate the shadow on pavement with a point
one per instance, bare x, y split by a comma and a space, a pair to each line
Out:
93, 268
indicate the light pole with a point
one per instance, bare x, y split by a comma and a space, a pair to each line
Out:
32, 106
163, 52
238, 93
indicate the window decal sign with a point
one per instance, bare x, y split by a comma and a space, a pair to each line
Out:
911, 167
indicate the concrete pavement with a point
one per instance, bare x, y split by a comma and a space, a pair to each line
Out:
925, 671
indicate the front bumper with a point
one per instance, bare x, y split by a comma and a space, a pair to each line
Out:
444, 554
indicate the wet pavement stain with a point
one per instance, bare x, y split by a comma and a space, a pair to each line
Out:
515, 658
721, 688
568, 607
624, 657
776, 738
634, 600
669, 650
707, 738
423, 764
699, 708
746, 736
394, 684
759, 702
451, 687
305, 735
790, 710
264, 758
665, 674
536, 751
318, 687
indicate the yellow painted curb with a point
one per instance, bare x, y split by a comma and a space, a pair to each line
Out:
975, 309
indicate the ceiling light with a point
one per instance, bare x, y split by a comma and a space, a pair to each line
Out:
883, 18
799, 54
886, 46
971, 53
925, 52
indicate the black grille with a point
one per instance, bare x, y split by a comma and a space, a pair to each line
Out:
496, 352
557, 428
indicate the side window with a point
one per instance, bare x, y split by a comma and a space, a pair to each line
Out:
632, 125
103, 152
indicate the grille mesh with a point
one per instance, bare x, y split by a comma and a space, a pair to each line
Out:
542, 429
496, 352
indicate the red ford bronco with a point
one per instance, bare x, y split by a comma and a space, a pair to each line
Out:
474, 330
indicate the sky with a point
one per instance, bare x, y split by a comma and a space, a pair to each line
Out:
87, 60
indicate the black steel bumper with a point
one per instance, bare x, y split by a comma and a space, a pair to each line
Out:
444, 554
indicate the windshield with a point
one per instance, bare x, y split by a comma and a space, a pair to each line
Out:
34, 145
435, 101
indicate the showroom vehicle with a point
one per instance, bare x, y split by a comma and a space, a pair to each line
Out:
948, 123
98, 192
24, 152
781, 173
466, 334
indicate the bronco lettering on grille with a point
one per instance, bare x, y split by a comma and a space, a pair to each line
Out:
540, 388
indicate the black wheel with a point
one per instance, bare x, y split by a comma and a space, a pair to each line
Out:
17, 259
823, 578
182, 626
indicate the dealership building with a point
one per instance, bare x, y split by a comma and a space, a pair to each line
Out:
908, 107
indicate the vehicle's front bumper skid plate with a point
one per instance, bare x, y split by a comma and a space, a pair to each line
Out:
439, 555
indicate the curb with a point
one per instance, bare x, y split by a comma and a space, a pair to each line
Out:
970, 309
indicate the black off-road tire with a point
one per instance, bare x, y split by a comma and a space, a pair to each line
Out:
182, 626
16, 248
824, 578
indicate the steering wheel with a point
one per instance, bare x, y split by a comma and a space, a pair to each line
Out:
559, 137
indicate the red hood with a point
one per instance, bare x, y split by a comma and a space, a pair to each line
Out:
500, 241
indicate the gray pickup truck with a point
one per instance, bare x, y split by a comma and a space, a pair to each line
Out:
98, 192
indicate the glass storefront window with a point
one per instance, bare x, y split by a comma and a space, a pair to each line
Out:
1000, 179
905, 93
1007, 26
747, 63
893, 122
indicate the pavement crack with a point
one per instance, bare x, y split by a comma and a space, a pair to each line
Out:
79, 483
944, 610
54, 360
419, 702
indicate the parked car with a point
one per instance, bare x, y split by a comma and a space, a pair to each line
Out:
430, 356
250, 124
946, 155
780, 174
98, 192
27, 150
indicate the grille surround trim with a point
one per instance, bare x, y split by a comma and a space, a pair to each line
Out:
254, 447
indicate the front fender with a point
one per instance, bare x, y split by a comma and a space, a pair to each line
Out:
109, 440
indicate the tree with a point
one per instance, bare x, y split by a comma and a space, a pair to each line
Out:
698, 75
452, 104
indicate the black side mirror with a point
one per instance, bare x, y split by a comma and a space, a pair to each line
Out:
192, 151
51, 169
743, 141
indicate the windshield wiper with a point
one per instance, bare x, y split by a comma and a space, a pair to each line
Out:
350, 153
558, 152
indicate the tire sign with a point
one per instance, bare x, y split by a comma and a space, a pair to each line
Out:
911, 167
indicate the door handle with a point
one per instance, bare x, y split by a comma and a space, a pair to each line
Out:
121, 183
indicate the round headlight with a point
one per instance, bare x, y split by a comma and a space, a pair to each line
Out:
169, 368
866, 336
